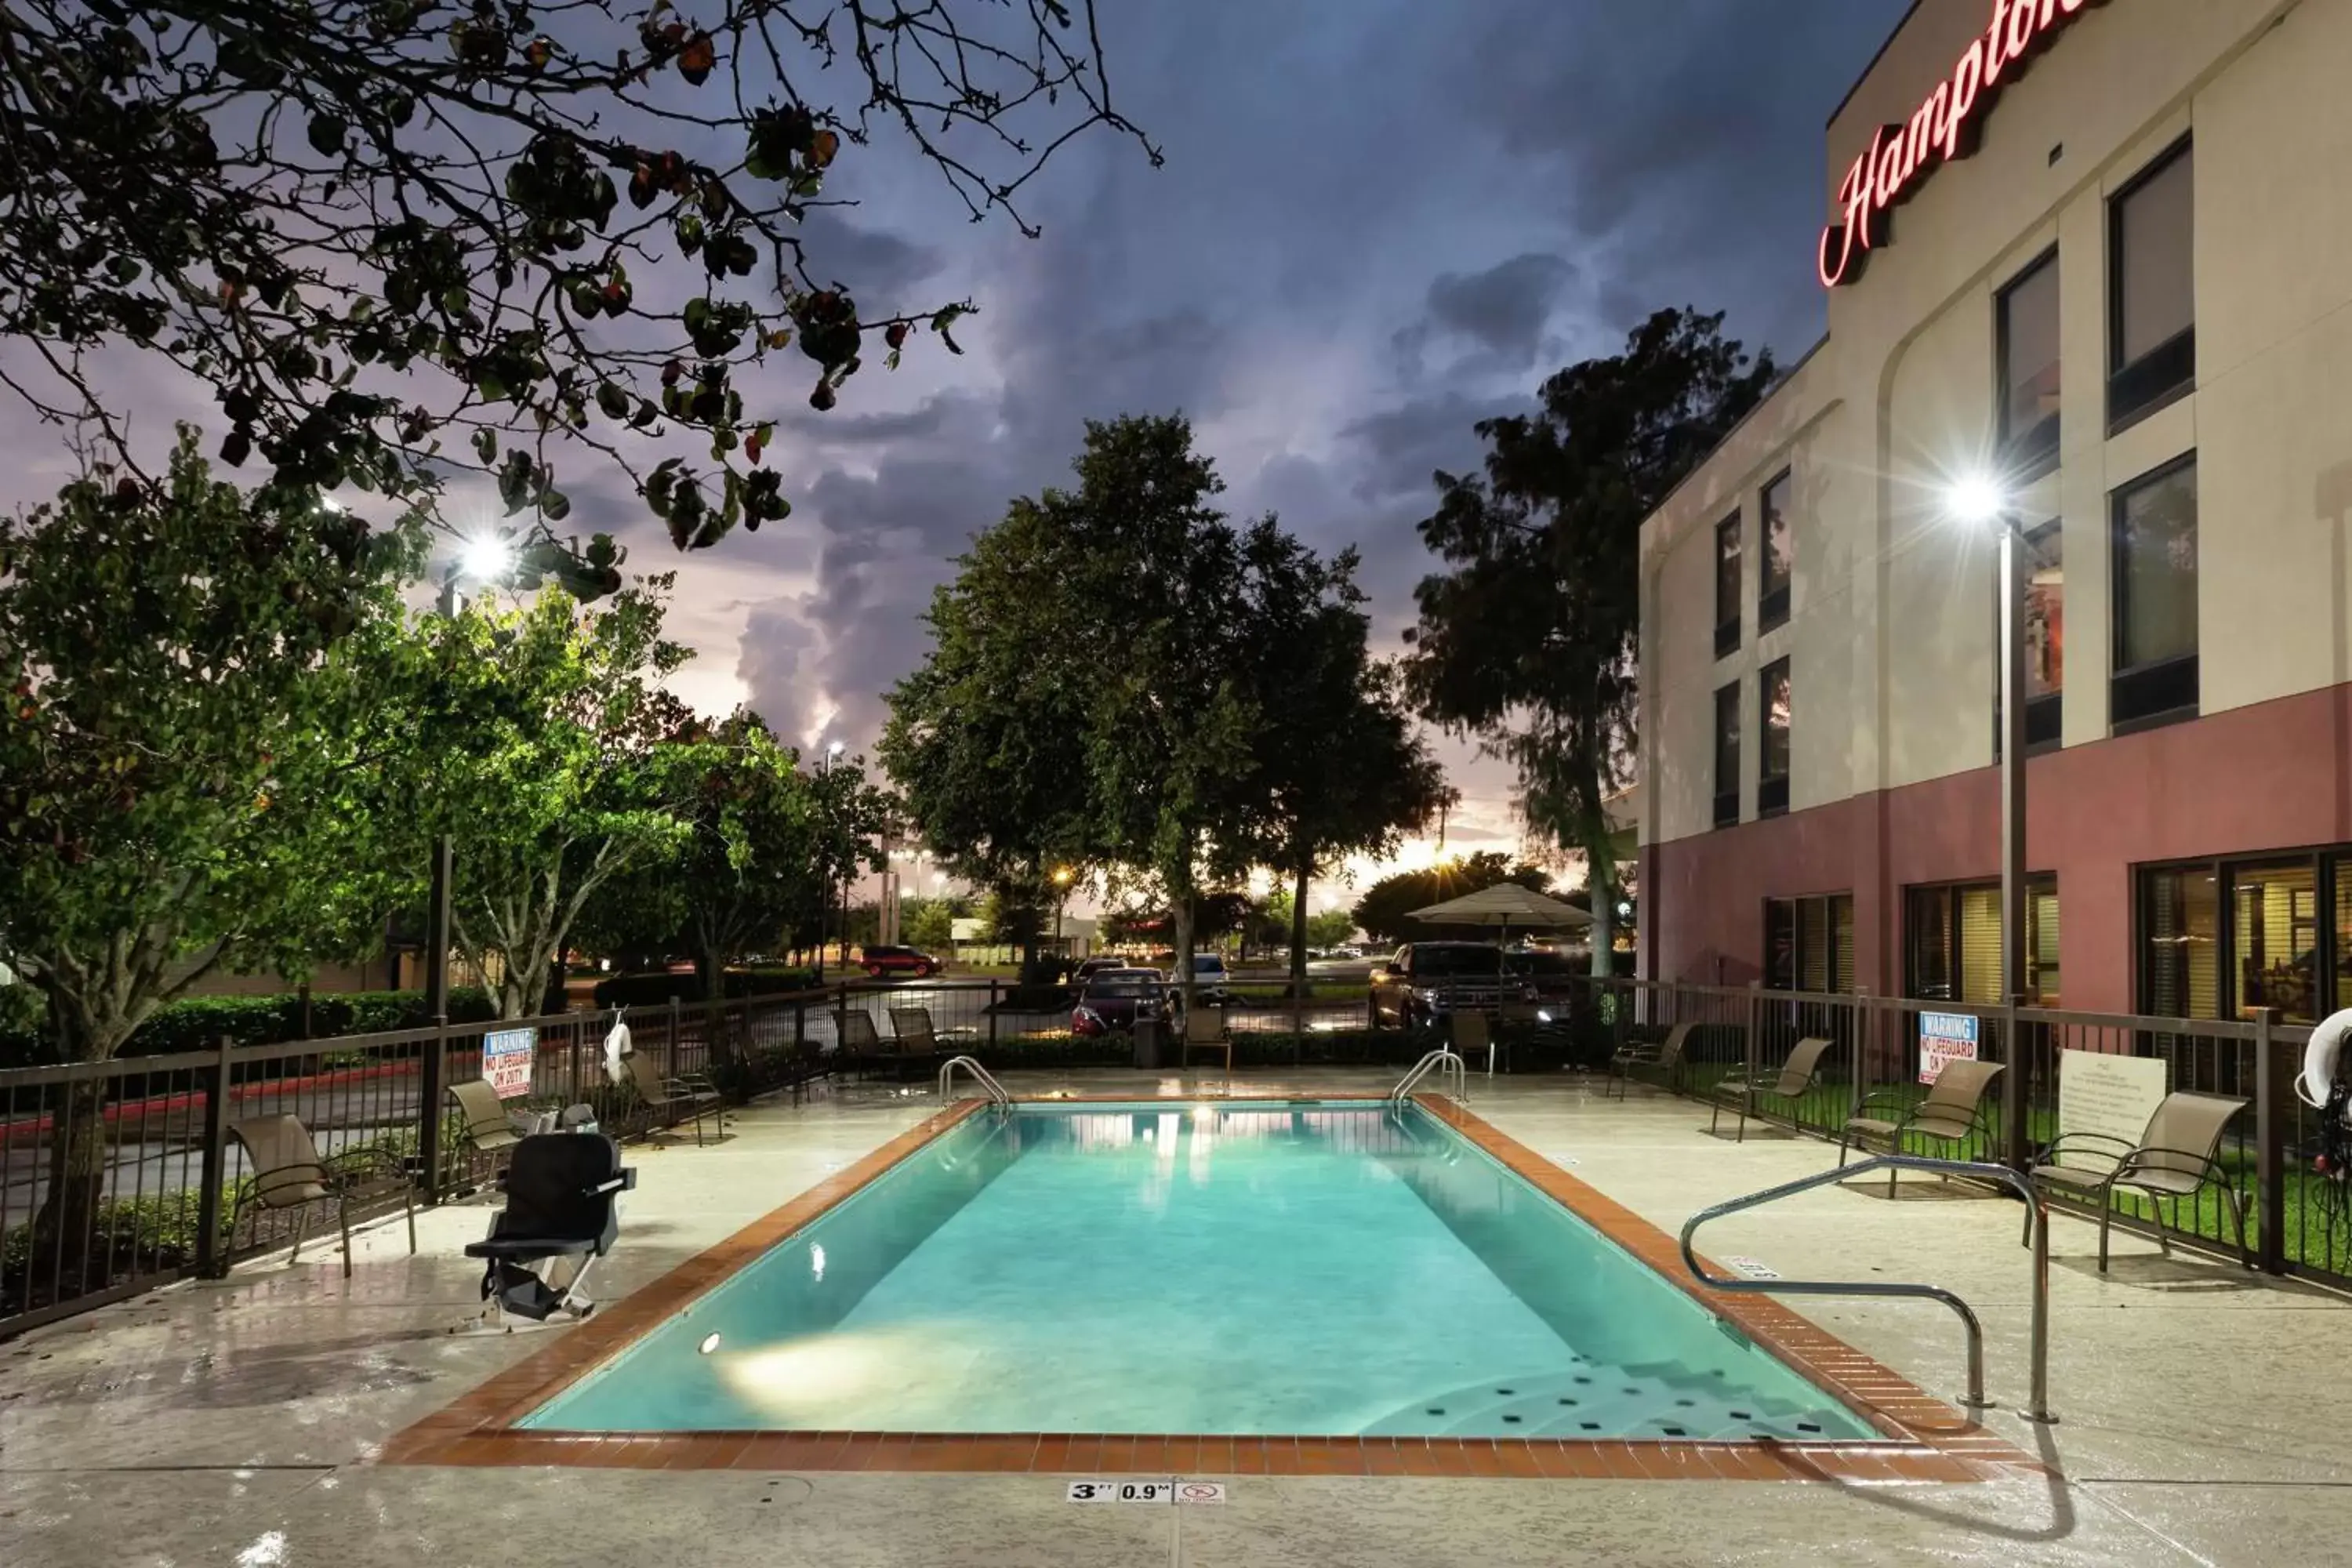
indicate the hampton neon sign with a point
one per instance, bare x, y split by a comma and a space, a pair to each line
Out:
1947, 127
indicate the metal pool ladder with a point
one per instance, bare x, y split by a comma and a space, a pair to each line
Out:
2039, 1410
1441, 1061
979, 1075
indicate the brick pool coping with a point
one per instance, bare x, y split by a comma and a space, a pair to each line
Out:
1924, 1439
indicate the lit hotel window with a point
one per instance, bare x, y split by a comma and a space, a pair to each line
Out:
1727, 586
2027, 312
1726, 755
1779, 557
2152, 328
2155, 597
1953, 942
1772, 770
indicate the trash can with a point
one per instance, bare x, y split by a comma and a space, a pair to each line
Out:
1147, 1042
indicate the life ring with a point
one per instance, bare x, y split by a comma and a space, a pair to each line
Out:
2322, 1057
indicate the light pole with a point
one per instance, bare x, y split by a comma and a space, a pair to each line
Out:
1983, 503
1061, 899
824, 869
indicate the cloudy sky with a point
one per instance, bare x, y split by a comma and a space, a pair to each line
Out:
1378, 221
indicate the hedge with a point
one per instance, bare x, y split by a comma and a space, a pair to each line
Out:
656, 988
198, 1023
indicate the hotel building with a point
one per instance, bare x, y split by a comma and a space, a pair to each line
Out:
2100, 253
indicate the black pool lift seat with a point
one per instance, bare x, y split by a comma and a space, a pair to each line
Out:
561, 1193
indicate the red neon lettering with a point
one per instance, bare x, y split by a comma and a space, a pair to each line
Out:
1944, 127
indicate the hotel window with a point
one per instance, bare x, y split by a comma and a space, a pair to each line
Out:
2045, 639
2221, 937
2028, 326
1727, 586
1779, 556
2155, 676
1809, 943
1772, 765
1726, 755
1953, 942
2152, 290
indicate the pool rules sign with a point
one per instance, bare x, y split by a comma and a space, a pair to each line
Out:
506, 1060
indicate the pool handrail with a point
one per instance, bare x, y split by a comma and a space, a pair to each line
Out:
1977, 1171
1442, 1060
978, 1074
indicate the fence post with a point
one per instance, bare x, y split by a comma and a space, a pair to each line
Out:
669, 1042
211, 1258
433, 1075
992, 1015
2017, 1152
1865, 1025
2270, 1131
1751, 1056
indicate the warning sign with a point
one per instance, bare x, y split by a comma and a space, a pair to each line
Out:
506, 1060
1944, 1038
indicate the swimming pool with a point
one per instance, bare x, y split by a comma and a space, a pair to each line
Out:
1326, 1269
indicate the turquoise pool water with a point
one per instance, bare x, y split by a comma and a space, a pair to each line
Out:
1305, 1268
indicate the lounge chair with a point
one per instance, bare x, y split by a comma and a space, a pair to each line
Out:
1204, 1031
1948, 1115
561, 1191
1666, 1056
861, 1043
915, 1043
677, 1096
287, 1173
2175, 1158
489, 1128
1792, 1083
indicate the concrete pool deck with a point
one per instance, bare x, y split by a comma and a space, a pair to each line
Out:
239, 1422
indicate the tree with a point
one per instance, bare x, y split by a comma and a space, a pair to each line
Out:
555, 785
1528, 642
387, 234
1340, 769
189, 672
1385, 910
927, 923
1329, 928
853, 820
983, 736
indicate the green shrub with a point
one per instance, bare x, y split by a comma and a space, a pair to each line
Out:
198, 1023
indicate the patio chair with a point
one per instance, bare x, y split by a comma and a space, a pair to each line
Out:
915, 1044
678, 1096
1204, 1031
1948, 1115
1792, 1083
1666, 1056
1472, 1031
287, 1173
561, 1190
2175, 1158
861, 1043
489, 1127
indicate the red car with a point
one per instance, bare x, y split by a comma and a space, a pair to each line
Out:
882, 961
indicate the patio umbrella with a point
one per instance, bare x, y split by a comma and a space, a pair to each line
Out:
1505, 906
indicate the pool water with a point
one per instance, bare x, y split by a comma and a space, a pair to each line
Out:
1321, 1268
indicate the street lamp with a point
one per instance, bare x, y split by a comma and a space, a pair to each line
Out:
825, 904
1062, 881
1980, 501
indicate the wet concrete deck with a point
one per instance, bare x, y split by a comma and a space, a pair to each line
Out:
235, 1423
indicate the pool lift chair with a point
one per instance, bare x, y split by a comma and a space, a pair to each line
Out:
562, 1192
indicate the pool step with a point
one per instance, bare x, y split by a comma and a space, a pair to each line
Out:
1594, 1399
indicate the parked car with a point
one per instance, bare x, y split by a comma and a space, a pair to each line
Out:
897, 960
1423, 982
1116, 999
1091, 967
1209, 979
1551, 975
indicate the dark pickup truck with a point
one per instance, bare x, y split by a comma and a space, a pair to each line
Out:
1425, 982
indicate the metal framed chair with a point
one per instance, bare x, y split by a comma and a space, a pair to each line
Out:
1951, 1113
1664, 1056
2177, 1157
1472, 1031
1794, 1079
289, 1174
1204, 1031
678, 1096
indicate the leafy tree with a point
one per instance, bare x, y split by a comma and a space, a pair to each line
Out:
1385, 910
1329, 928
1528, 641
927, 923
555, 786
982, 737
189, 671
853, 819
387, 234
1340, 771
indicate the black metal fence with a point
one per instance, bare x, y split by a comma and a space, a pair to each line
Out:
2296, 1214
